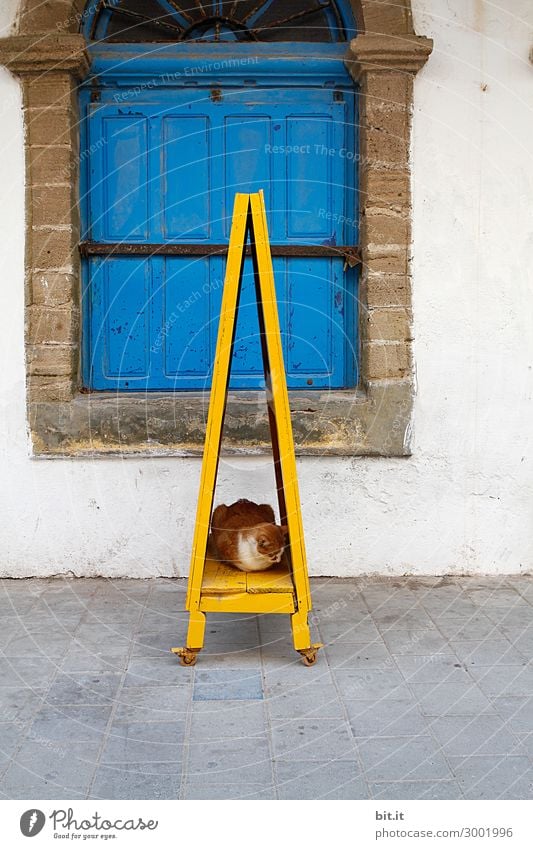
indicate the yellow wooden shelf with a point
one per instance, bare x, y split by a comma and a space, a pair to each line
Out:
214, 586
221, 579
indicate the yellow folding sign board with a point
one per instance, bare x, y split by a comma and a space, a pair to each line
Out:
215, 586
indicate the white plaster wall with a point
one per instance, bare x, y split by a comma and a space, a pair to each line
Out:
464, 501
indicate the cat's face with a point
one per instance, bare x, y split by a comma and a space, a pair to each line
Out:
270, 541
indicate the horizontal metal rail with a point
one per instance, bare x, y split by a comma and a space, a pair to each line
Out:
350, 253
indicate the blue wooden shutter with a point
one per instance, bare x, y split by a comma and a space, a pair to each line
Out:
165, 168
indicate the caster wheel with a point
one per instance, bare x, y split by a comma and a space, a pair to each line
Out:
309, 655
188, 657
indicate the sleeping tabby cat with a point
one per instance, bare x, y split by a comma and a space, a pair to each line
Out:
245, 535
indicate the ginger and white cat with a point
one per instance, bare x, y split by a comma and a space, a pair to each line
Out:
245, 535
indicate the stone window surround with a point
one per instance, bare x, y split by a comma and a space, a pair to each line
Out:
64, 421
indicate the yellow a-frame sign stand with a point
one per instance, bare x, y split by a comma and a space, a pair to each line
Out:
214, 586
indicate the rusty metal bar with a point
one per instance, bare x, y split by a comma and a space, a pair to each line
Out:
350, 253
183, 12
297, 16
142, 19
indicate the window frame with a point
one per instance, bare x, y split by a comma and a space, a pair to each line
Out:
50, 58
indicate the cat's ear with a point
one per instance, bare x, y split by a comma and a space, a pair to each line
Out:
285, 529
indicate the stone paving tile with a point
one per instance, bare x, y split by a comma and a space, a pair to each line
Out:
488, 653
479, 735
137, 781
432, 669
366, 655
156, 672
79, 723
82, 688
525, 590
339, 779
521, 639
515, 616
386, 718
301, 692
27, 671
144, 742
8, 632
153, 643
412, 642
94, 637
40, 618
276, 627
340, 604
39, 644
61, 606
21, 783
77, 590
15, 607
504, 680
496, 596
130, 586
440, 586
220, 684
300, 686
18, 704
50, 770
170, 621
441, 600
312, 739
348, 631
390, 620
153, 704
220, 761
478, 627
280, 659
114, 613
231, 720
377, 596
163, 601
517, 711
407, 758
207, 789
372, 684
234, 657
460, 608
451, 699
11, 736
487, 777
165, 612
526, 744
77, 660
234, 629
395, 790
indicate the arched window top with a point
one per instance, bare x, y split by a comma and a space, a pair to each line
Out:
219, 21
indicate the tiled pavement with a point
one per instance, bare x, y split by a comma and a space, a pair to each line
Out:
424, 691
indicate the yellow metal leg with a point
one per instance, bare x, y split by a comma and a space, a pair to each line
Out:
302, 638
195, 639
